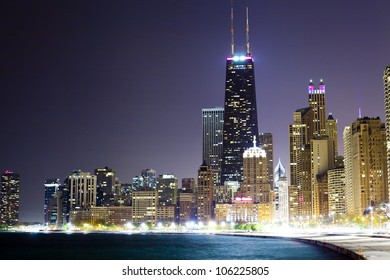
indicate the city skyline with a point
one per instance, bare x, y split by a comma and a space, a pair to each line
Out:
89, 87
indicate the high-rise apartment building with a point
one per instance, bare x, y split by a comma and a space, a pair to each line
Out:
386, 84
266, 143
52, 202
317, 102
167, 187
240, 118
204, 193
144, 206
320, 164
105, 186
331, 132
212, 134
9, 199
82, 190
255, 184
336, 190
300, 133
368, 162
350, 192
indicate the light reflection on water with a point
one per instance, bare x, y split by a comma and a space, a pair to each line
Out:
146, 246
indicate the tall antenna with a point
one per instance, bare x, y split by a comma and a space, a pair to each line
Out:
360, 113
247, 33
232, 26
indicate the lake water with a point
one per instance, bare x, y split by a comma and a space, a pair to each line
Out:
153, 246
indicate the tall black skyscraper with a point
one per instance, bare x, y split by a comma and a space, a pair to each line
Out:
240, 119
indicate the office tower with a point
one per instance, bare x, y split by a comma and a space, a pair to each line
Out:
167, 187
240, 119
331, 132
336, 190
212, 132
368, 163
188, 185
300, 133
82, 190
187, 209
9, 199
63, 202
149, 178
351, 194
386, 84
317, 102
320, 163
266, 143
124, 194
138, 182
105, 185
144, 206
255, 184
281, 199
50, 208
204, 193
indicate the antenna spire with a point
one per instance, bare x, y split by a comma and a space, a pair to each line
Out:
232, 27
247, 32
360, 113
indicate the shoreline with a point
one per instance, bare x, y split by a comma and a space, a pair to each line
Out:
357, 246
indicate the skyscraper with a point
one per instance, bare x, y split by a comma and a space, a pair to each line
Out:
317, 102
50, 208
149, 178
212, 128
386, 84
82, 190
266, 143
204, 193
368, 163
281, 201
9, 199
105, 184
255, 183
240, 119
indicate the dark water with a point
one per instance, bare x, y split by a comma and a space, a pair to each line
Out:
118, 246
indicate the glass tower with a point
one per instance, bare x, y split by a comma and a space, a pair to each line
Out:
240, 119
212, 127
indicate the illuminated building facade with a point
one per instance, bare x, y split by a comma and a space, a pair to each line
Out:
281, 200
300, 133
149, 178
351, 194
52, 202
320, 164
187, 209
188, 185
386, 84
82, 190
255, 184
336, 190
144, 206
105, 186
9, 199
212, 128
240, 119
317, 102
331, 132
266, 143
368, 162
167, 188
204, 193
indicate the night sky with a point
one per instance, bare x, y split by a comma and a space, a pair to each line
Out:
88, 84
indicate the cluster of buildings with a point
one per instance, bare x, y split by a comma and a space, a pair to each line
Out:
237, 181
